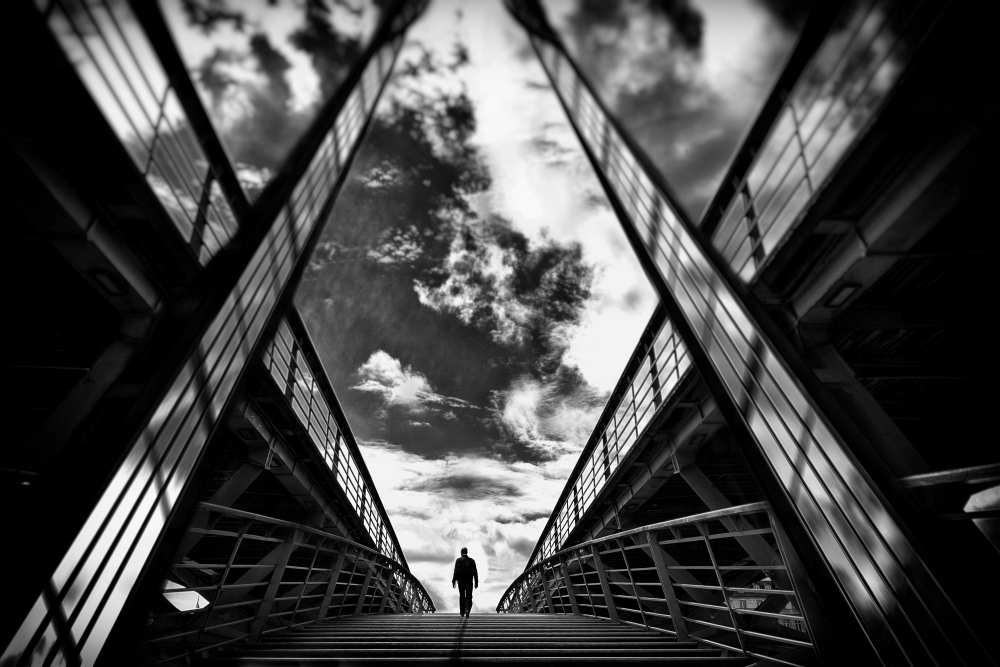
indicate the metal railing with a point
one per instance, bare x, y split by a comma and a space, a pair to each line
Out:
245, 575
293, 364
720, 578
656, 368
820, 119
117, 64
863, 542
73, 617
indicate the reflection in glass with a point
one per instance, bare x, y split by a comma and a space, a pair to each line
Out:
115, 61
847, 80
263, 68
686, 79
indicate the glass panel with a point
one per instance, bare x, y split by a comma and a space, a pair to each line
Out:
685, 79
264, 68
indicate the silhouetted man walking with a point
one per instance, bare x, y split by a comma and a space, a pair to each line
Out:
465, 574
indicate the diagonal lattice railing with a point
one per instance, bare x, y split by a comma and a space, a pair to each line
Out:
293, 364
250, 575
850, 523
719, 578
86, 590
831, 88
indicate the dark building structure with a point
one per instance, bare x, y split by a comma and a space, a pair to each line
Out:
820, 348
174, 428
796, 466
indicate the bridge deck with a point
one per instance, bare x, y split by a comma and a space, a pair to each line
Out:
481, 638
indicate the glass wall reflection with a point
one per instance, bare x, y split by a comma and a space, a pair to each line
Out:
686, 79
263, 68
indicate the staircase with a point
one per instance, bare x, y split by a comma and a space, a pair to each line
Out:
481, 638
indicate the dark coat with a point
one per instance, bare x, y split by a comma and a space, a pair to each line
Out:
465, 570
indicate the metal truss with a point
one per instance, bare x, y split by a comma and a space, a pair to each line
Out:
252, 575
720, 578
127, 62
850, 523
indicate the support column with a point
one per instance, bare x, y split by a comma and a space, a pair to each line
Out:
663, 574
364, 590
324, 606
277, 573
605, 588
569, 587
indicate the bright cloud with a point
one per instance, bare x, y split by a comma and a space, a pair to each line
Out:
385, 375
437, 506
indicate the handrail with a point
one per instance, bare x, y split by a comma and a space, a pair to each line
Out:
246, 575
656, 368
293, 364
719, 577
829, 94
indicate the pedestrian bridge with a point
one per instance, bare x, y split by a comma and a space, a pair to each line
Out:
790, 470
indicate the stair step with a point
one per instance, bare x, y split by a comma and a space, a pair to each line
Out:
481, 639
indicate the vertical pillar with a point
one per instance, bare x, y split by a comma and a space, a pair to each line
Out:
331, 585
364, 590
545, 588
602, 576
663, 574
569, 586
264, 610
722, 584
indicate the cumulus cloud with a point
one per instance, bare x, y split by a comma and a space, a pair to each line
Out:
523, 293
399, 384
552, 417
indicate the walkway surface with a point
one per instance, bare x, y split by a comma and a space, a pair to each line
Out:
481, 638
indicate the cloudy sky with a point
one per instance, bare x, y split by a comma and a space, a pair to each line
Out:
473, 297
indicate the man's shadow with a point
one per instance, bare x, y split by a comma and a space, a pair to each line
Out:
456, 652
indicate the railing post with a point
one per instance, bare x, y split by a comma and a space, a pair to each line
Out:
264, 610
324, 606
656, 551
306, 580
605, 588
569, 586
364, 589
545, 587
722, 585
632, 584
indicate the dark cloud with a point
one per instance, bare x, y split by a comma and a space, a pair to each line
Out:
428, 554
332, 53
685, 126
407, 267
259, 121
467, 487
522, 545
206, 15
522, 518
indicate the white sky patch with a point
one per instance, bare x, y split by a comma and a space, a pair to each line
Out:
433, 524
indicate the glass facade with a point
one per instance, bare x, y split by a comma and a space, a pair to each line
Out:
865, 548
686, 80
115, 61
264, 69
291, 372
840, 92
88, 589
